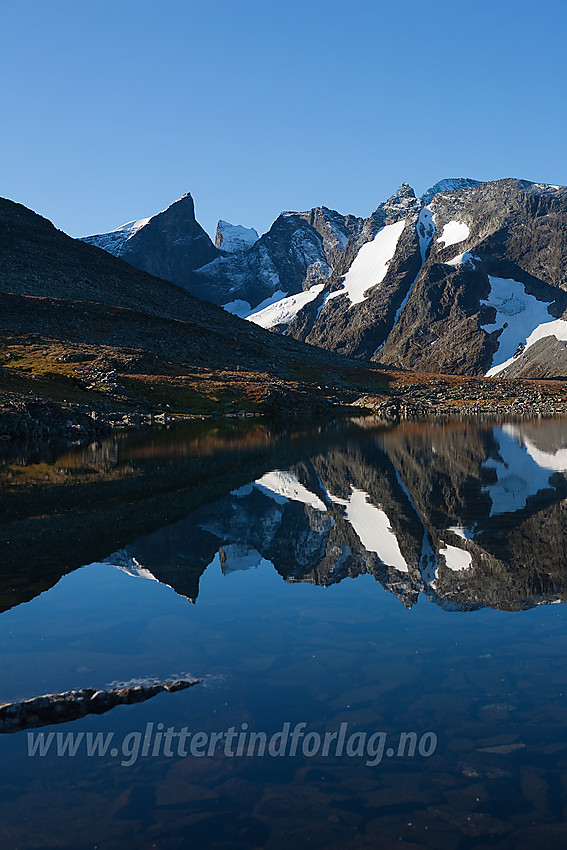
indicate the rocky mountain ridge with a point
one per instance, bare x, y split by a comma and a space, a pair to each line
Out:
470, 278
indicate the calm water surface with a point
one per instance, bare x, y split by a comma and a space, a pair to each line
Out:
375, 581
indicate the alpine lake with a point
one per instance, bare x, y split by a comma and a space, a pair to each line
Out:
375, 615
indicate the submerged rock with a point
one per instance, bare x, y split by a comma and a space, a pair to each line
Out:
61, 708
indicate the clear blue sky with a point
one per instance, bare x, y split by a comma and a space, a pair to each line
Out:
112, 109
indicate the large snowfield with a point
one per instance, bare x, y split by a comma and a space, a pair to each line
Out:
371, 263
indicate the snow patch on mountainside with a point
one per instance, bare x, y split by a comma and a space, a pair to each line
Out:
132, 227
235, 238
461, 531
238, 308
128, 564
425, 230
136, 570
276, 296
547, 187
465, 257
523, 319
371, 263
373, 528
454, 232
243, 310
556, 328
282, 312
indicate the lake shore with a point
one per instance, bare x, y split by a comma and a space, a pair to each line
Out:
36, 416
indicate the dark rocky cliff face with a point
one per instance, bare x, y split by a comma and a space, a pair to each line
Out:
427, 312
171, 245
299, 251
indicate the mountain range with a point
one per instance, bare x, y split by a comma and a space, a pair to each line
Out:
470, 278
403, 313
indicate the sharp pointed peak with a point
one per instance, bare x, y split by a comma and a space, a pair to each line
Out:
404, 190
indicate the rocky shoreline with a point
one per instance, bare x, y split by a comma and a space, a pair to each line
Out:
410, 397
45, 420
41, 419
398, 411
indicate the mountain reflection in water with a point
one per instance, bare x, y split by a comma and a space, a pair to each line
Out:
469, 516
260, 526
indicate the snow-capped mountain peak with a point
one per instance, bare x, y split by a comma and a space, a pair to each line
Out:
115, 241
402, 192
449, 184
169, 244
234, 238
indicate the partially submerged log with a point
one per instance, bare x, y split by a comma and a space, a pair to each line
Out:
61, 708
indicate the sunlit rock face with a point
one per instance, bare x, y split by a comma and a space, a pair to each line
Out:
469, 278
